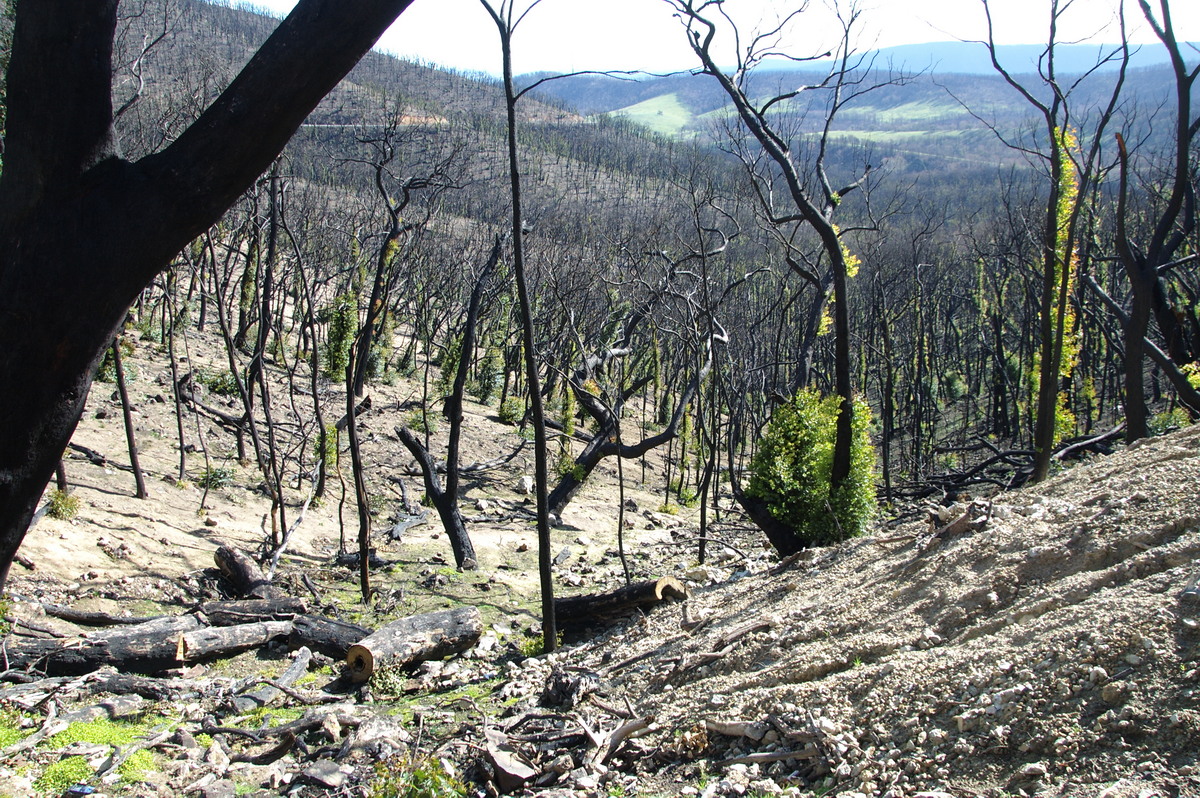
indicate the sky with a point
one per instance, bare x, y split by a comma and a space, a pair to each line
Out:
572, 35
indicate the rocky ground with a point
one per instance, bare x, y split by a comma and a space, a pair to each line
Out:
1039, 642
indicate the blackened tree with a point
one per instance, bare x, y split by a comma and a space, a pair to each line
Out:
83, 230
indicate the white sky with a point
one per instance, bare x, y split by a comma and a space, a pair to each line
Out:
570, 35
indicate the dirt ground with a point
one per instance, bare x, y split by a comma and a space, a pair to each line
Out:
1041, 645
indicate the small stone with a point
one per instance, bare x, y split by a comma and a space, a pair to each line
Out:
326, 774
1115, 693
1034, 770
221, 788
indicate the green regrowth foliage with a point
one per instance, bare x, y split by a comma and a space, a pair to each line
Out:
406, 776
62, 505
491, 370
511, 411
381, 349
328, 453
343, 326
449, 365
791, 470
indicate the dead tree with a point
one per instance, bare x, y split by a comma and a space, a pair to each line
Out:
445, 495
1148, 262
813, 206
83, 230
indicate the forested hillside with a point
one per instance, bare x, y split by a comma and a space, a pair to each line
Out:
742, 324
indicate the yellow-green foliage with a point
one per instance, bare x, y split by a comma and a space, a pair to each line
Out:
10, 720
406, 776
62, 505
792, 469
60, 775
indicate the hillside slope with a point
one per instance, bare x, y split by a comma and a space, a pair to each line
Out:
1050, 650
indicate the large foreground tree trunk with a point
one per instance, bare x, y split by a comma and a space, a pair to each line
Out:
83, 230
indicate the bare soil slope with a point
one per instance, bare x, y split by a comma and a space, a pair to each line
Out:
1051, 650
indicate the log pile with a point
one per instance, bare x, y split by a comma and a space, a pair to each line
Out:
336, 743
219, 629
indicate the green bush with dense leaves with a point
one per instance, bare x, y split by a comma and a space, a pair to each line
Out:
791, 470
407, 776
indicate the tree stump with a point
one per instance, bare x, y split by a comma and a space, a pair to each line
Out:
244, 574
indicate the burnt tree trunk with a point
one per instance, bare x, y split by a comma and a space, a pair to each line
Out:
329, 637
83, 230
445, 496
139, 480
414, 639
145, 648
597, 608
244, 574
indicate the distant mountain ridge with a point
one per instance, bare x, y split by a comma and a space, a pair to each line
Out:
972, 58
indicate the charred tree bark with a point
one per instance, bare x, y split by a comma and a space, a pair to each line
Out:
244, 575
331, 638
415, 639
127, 415
598, 608
445, 497
83, 230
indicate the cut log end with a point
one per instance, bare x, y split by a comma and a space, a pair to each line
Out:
415, 639
577, 612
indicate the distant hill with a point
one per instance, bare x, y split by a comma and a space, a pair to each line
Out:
971, 58
935, 115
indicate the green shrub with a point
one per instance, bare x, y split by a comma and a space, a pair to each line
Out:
512, 410
62, 505
490, 371
221, 383
566, 466
791, 470
216, 477
406, 776
421, 422
685, 493
108, 366
1162, 423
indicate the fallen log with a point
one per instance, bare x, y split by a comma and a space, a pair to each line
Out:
136, 649
232, 613
417, 638
224, 641
597, 608
245, 575
93, 618
331, 638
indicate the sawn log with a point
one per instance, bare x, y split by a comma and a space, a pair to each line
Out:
331, 638
417, 638
144, 650
597, 608
232, 613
